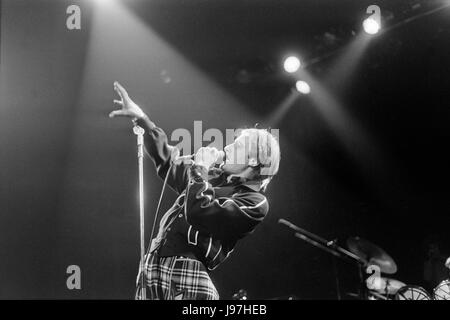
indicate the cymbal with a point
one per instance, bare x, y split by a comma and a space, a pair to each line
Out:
372, 254
384, 285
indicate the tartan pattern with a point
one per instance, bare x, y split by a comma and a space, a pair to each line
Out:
176, 278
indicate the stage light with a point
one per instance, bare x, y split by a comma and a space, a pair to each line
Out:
371, 26
303, 87
291, 64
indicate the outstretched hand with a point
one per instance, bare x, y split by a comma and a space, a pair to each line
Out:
127, 106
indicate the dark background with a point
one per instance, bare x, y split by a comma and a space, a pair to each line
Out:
68, 173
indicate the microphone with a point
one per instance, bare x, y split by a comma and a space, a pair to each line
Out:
306, 233
290, 225
191, 157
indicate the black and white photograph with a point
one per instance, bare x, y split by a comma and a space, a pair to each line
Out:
238, 150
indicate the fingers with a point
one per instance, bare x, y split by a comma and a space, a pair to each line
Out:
207, 155
207, 150
116, 89
213, 152
118, 113
118, 103
120, 90
220, 157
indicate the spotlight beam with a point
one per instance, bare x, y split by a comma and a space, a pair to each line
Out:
338, 77
353, 137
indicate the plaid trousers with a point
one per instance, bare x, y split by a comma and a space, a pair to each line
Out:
176, 278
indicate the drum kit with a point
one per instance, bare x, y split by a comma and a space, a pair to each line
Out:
373, 263
383, 288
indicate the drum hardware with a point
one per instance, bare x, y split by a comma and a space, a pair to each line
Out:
400, 291
336, 251
240, 295
366, 254
373, 295
442, 291
412, 293
383, 288
373, 254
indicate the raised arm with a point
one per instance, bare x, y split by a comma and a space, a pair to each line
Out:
155, 141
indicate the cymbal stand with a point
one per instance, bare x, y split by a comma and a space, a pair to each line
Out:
332, 248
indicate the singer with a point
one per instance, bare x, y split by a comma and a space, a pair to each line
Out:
210, 214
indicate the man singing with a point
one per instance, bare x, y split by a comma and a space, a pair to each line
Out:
210, 214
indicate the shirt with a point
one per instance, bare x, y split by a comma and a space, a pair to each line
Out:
209, 215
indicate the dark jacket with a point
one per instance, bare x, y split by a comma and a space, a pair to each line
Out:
209, 216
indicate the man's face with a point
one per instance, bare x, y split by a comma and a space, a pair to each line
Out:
237, 155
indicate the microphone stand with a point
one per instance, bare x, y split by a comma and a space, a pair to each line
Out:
332, 248
139, 132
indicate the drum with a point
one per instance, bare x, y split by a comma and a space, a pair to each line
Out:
412, 293
442, 291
